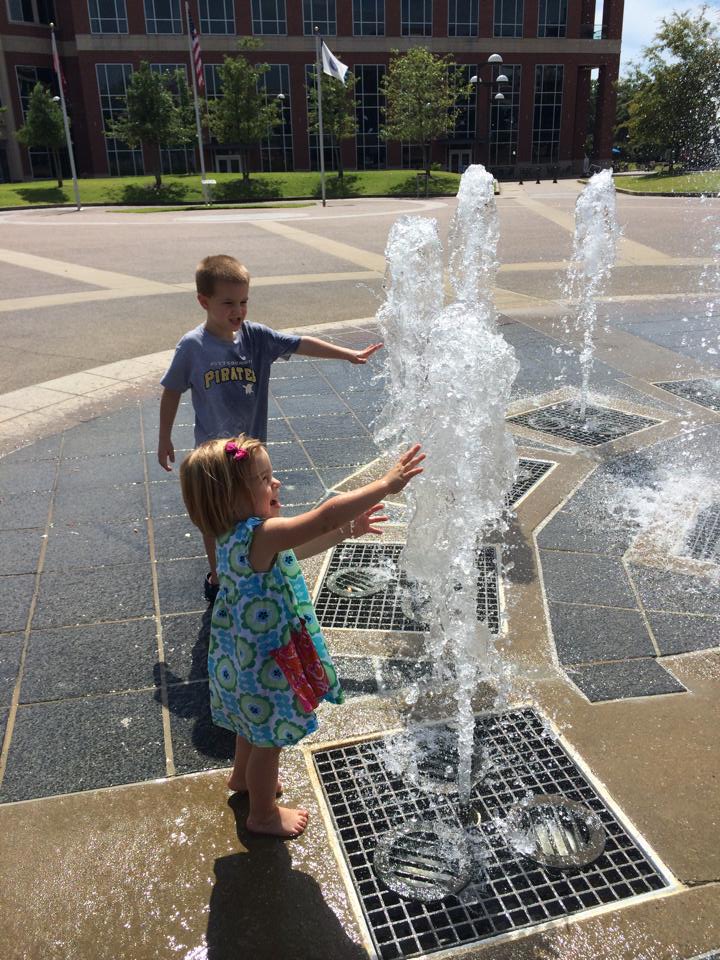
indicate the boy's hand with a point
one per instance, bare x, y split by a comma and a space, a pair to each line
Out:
166, 452
405, 469
365, 523
364, 355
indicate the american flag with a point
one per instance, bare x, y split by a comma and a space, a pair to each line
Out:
197, 57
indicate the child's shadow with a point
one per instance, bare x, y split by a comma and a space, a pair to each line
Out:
261, 908
190, 701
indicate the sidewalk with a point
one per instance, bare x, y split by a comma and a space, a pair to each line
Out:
117, 837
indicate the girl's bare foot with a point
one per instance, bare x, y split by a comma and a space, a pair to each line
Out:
238, 785
283, 822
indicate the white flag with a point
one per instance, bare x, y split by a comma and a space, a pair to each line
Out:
332, 65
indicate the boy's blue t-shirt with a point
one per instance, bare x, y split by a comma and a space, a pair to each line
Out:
229, 380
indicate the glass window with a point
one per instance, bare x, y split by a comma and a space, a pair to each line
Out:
465, 123
508, 18
329, 153
320, 14
179, 158
504, 116
268, 17
547, 113
31, 11
276, 149
216, 16
416, 18
40, 157
371, 151
463, 18
108, 16
112, 81
163, 16
369, 18
552, 18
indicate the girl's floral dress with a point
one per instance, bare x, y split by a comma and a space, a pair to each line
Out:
267, 661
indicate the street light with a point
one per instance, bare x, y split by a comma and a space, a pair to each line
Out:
477, 81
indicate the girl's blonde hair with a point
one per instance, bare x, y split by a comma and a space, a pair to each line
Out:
215, 482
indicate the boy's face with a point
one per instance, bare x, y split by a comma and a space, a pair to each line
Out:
226, 308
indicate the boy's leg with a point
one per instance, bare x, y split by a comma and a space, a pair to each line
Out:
265, 815
209, 542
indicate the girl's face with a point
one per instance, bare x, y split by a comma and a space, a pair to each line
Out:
264, 487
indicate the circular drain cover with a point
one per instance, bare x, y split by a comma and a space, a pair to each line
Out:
358, 581
547, 420
556, 832
425, 860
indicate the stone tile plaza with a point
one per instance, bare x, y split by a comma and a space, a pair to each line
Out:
119, 839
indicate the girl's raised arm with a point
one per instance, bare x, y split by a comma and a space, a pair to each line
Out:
279, 533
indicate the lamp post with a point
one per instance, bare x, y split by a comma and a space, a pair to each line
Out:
280, 97
66, 122
489, 84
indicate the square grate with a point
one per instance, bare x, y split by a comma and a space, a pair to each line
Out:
704, 540
366, 800
601, 424
704, 392
530, 472
383, 610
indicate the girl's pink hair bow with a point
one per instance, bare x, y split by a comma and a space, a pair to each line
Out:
234, 451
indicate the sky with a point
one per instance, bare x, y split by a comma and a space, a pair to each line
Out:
641, 21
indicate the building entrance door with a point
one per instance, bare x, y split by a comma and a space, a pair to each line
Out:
228, 164
459, 160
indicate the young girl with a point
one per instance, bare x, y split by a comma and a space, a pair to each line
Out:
267, 661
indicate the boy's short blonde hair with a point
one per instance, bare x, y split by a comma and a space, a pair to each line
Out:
215, 483
210, 270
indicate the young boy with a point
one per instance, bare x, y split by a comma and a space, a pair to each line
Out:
226, 364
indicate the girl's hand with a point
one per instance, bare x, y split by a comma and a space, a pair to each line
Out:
365, 523
405, 469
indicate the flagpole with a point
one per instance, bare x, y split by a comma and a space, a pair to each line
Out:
66, 122
197, 108
321, 138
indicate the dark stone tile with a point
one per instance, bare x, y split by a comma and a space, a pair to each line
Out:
26, 476
279, 431
166, 498
674, 592
93, 543
295, 509
10, 651
86, 596
583, 634
292, 407
675, 633
15, 596
341, 452
72, 745
329, 427
583, 578
308, 386
300, 486
177, 537
396, 673
101, 470
180, 583
357, 675
578, 531
287, 456
125, 502
624, 679
331, 476
89, 439
19, 511
185, 646
20, 551
47, 449
98, 658
197, 743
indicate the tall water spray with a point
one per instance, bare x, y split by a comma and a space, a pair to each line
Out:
594, 252
450, 374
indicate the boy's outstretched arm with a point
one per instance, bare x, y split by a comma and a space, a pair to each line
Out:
313, 347
169, 403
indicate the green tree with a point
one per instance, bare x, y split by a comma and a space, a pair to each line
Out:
44, 126
422, 92
338, 111
633, 148
676, 104
153, 118
243, 115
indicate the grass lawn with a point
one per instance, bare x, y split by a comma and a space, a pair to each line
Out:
229, 189
707, 181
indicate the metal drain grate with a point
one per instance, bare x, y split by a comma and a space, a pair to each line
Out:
556, 832
704, 392
368, 797
600, 425
530, 472
382, 610
704, 540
